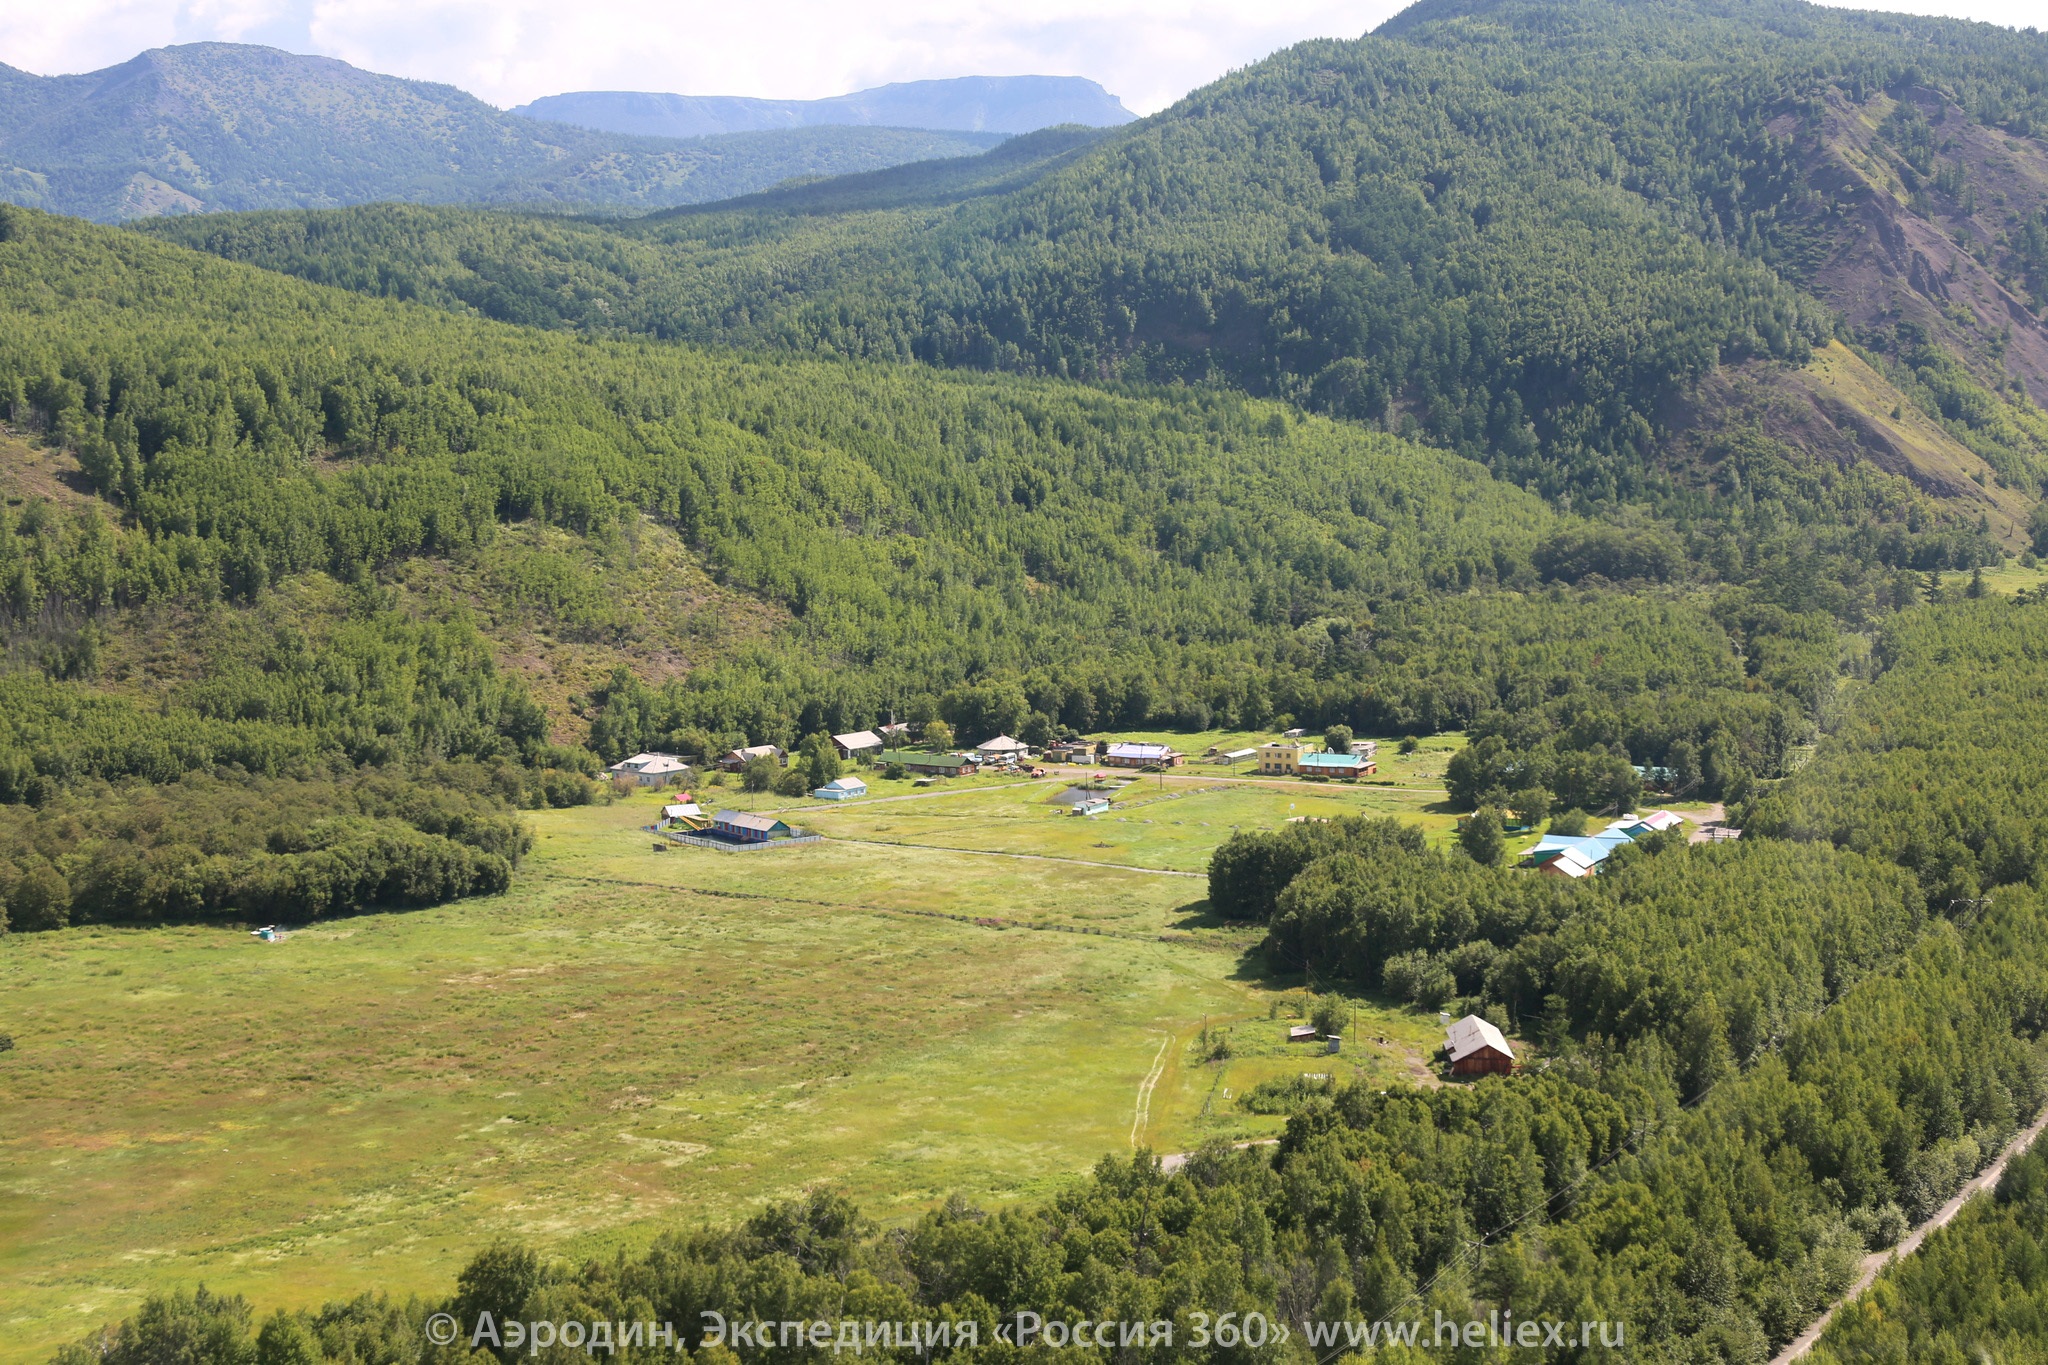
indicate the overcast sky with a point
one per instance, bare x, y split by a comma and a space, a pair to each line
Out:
1150, 52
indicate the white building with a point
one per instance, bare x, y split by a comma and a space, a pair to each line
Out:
841, 789
650, 769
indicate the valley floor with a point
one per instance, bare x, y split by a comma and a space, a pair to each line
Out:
630, 1041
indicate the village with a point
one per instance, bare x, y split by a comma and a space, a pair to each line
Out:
891, 753
1091, 774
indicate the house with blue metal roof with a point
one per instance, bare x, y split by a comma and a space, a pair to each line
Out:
1344, 767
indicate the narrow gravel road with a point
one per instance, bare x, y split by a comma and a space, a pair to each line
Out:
1876, 1261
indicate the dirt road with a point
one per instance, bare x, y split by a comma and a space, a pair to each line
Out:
1876, 1261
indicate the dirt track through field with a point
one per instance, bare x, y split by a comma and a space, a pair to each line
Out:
1876, 1261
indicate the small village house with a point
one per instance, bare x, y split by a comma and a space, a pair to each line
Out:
1342, 767
736, 759
1071, 751
651, 769
841, 789
1568, 863
749, 828
1477, 1048
1002, 749
1144, 756
931, 765
859, 744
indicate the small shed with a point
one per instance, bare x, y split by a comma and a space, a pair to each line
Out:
685, 815
841, 789
1477, 1048
1302, 1033
1089, 805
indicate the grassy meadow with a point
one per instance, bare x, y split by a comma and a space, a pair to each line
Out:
631, 1040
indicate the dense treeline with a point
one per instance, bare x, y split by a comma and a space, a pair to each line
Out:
240, 847
1515, 229
1762, 1060
1937, 767
325, 758
1717, 951
1597, 677
1977, 1290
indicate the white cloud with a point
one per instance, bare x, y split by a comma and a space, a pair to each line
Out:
1150, 52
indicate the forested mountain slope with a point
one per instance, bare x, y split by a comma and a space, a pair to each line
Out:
271, 484
1597, 245
917, 529
217, 126
983, 104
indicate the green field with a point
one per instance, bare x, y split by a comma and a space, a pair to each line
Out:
629, 1041
1163, 821
2009, 578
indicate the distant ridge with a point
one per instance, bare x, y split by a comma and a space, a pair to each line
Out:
991, 104
207, 127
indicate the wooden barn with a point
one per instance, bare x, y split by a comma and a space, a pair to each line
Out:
1477, 1048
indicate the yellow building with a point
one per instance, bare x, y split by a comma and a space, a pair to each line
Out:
1279, 759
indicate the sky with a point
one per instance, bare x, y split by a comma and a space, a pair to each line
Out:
1149, 52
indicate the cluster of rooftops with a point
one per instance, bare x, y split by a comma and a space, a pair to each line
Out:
1580, 855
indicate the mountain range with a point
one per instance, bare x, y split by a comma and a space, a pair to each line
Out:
1594, 396
208, 127
1624, 253
992, 104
